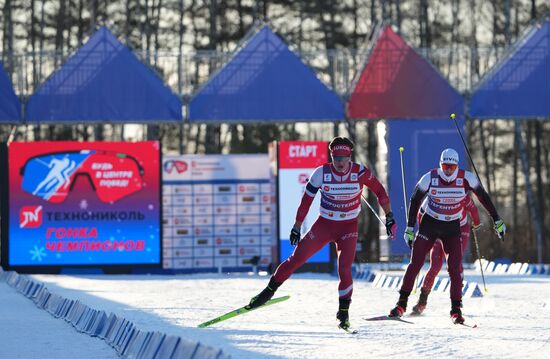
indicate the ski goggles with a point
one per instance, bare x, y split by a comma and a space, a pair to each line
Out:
341, 158
52, 176
448, 166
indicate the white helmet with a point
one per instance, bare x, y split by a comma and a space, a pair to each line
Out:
448, 156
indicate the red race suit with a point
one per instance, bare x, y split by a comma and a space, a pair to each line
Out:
444, 211
437, 254
337, 222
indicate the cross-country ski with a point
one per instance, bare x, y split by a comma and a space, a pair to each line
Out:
243, 310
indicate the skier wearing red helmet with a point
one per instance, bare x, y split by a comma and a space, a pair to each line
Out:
341, 184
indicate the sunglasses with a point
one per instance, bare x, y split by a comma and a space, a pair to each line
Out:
448, 166
52, 176
340, 158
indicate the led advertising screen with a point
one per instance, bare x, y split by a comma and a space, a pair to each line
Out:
82, 204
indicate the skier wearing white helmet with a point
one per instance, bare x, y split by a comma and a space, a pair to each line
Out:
437, 254
445, 189
448, 157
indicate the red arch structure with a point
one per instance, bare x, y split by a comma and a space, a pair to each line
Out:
396, 82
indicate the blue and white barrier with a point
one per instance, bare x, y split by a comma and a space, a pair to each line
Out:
123, 335
513, 268
441, 284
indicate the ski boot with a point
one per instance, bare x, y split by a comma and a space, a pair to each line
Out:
401, 305
456, 312
398, 311
264, 295
343, 313
422, 302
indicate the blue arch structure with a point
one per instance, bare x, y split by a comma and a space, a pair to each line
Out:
518, 87
103, 82
10, 107
265, 82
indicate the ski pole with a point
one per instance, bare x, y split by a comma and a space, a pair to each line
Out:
479, 258
467, 149
403, 182
480, 183
401, 149
372, 209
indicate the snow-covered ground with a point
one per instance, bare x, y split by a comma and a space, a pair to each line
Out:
513, 318
29, 332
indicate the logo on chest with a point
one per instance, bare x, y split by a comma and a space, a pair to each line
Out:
435, 182
327, 177
353, 177
459, 182
448, 192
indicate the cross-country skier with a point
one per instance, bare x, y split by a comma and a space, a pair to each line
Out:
445, 188
437, 253
341, 183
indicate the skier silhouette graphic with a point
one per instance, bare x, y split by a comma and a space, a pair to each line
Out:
57, 177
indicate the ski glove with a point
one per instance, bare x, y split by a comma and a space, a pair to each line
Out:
500, 228
409, 236
294, 236
391, 227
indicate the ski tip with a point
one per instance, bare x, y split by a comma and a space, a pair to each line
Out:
473, 326
387, 317
348, 330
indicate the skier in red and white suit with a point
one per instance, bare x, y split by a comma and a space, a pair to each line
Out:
341, 183
445, 188
437, 254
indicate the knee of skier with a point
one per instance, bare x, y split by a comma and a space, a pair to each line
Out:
454, 272
344, 274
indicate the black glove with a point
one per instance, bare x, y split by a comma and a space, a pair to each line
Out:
294, 236
390, 225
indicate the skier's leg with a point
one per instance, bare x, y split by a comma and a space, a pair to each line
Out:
345, 249
454, 264
436, 262
465, 240
312, 242
422, 245
317, 237
453, 247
